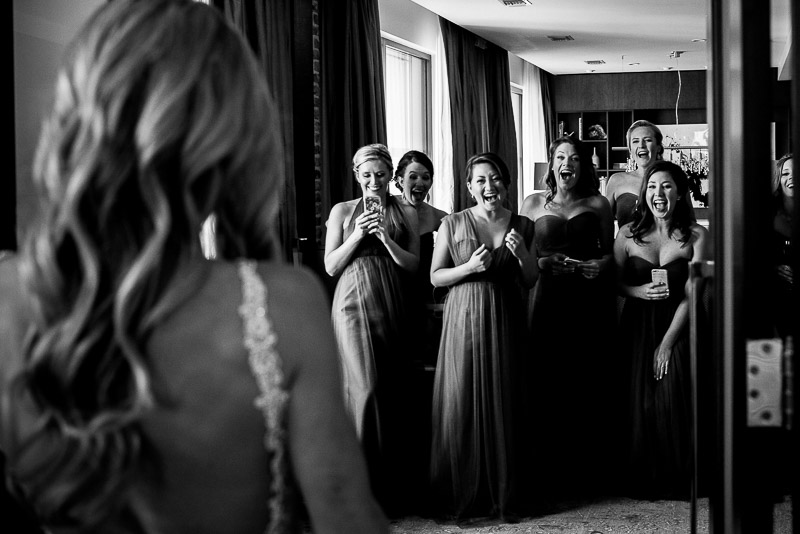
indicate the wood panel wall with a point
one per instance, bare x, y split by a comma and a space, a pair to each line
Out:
629, 90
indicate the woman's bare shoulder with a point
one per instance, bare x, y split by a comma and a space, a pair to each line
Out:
532, 204
624, 234
623, 182
438, 214
343, 210
408, 210
617, 177
699, 234
598, 202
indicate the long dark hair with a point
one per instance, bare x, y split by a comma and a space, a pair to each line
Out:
682, 218
588, 184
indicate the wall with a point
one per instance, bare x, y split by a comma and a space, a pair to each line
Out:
631, 90
410, 22
515, 66
42, 29
419, 27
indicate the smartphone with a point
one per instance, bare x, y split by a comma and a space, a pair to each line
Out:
573, 261
660, 277
372, 204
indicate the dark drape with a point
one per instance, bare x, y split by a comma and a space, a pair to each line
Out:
548, 104
353, 112
267, 25
482, 118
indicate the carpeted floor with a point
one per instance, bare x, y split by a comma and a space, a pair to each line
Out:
615, 516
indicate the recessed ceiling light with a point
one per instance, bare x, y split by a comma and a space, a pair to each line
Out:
698, 40
590, 70
667, 68
595, 62
633, 64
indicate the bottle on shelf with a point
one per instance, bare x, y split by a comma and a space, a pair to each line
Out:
595, 159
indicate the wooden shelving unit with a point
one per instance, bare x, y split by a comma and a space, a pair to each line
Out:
615, 125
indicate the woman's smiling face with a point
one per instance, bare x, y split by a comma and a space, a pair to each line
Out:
662, 195
566, 166
486, 186
787, 178
643, 146
416, 181
373, 176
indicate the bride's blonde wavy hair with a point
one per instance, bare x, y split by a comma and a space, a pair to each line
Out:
161, 118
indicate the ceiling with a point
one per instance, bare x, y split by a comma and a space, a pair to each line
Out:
628, 35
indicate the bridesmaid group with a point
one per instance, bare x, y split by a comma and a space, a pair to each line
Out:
541, 394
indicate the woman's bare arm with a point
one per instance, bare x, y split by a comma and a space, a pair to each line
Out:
325, 454
338, 250
406, 259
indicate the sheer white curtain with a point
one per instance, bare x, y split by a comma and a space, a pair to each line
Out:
534, 135
442, 157
399, 118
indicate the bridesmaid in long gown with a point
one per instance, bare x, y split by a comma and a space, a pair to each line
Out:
572, 321
784, 295
414, 177
483, 254
645, 144
367, 250
654, 332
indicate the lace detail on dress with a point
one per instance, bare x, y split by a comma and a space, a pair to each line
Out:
265, 363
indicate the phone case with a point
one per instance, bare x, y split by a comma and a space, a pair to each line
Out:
372, 204
660, 276
572, 261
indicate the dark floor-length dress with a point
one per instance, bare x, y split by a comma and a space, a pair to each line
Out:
368, 315
422, 295
625, 208
784, 301
475, 397
577, 403
423, 335
660, 409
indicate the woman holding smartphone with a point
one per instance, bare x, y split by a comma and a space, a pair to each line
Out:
369, 241
572, 314
661, 241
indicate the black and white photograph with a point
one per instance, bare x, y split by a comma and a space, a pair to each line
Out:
399, 267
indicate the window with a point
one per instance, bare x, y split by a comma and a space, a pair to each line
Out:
407, 77
516, 104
